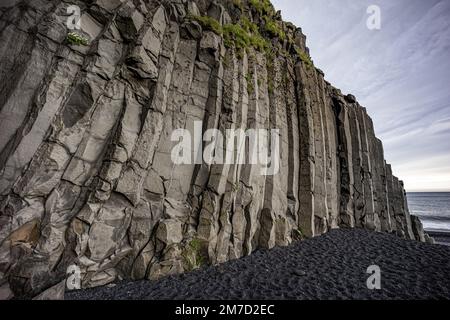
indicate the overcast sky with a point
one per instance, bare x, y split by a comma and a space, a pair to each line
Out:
401, 73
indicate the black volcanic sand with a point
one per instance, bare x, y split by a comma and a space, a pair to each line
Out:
440, 236
332, 266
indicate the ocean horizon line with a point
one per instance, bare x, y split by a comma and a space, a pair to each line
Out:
428, 191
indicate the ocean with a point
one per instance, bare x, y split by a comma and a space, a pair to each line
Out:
433, 209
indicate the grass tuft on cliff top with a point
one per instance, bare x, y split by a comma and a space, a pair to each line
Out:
263, 7
241, 35
246, 34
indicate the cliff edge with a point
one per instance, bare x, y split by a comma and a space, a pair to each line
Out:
86, 120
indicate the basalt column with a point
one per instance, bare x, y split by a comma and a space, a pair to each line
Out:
87, 119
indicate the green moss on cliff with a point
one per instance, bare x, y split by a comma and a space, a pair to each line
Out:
192, 255
305, 58
76, 39
274, 29
245, 34
208, 23
238, 4
263, 7
250, 85
235, 35
248, 25
242, 35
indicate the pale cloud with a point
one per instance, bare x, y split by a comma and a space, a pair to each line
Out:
401, 73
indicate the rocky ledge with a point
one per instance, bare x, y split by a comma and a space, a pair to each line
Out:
86, 118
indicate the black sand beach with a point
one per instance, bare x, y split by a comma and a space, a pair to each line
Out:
332, 266
440, 236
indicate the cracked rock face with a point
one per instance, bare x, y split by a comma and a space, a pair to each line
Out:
86, 176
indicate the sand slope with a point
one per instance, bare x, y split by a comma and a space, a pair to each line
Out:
332, 266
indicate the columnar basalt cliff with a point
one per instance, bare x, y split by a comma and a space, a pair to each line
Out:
86, 176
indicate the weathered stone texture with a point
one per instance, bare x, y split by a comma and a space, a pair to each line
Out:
86, 176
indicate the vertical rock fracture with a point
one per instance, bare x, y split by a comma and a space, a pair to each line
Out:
86, 176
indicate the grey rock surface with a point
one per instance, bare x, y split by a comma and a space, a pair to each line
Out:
86, 176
